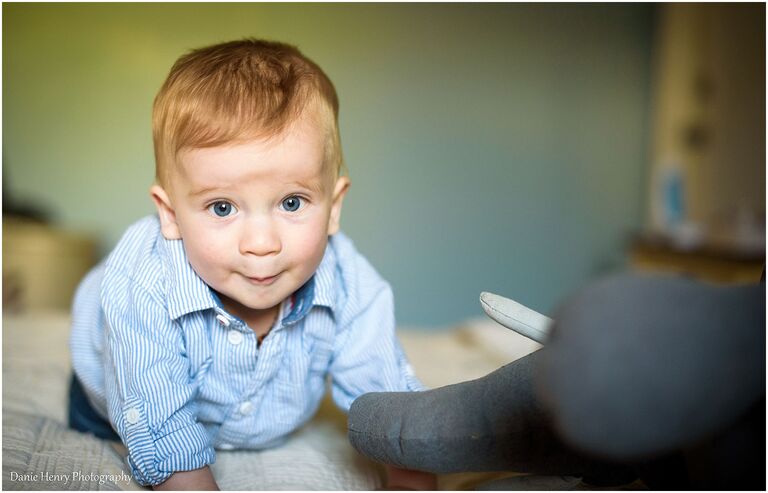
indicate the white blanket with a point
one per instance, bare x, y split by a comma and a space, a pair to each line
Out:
40, 453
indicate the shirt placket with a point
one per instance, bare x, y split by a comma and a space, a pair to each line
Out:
238, 422
238, 337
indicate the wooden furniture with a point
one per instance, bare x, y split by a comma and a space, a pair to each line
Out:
42, 265
705, 263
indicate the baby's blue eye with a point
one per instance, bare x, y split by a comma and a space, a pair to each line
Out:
222, 208
292, 203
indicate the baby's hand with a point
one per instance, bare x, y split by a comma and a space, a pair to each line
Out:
199, 479
406, 479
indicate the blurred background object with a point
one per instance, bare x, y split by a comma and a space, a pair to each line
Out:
706, 196
511, 148
42, 265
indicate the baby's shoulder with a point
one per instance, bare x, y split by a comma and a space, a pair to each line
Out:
135, 260
359, 279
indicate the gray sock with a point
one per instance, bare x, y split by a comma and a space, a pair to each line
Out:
490, 424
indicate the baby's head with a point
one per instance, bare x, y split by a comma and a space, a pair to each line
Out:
248, 161
240, 91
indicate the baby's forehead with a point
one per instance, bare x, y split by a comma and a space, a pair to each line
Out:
302, 150
295, 158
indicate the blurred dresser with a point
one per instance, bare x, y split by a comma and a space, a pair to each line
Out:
718, 265
42, 265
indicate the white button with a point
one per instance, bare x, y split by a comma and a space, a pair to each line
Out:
132, 416
226, 446
245, 408
224, 320
235, 337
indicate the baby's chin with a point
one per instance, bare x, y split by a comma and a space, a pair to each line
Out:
260, 304
262, 296
240, 305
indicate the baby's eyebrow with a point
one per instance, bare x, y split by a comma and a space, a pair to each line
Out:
203, 191
313, 185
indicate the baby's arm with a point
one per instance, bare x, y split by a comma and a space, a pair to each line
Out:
406, 479
370, 358
199, 479
149, 393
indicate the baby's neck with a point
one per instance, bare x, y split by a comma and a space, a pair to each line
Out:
259, 321
262, 321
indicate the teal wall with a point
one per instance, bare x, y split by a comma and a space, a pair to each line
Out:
497, 147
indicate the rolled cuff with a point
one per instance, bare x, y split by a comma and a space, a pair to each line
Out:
154, 459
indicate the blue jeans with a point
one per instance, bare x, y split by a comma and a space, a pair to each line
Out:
83, 417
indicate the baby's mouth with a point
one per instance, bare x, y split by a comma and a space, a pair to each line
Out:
262, 281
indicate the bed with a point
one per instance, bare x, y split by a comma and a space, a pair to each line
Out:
41, 453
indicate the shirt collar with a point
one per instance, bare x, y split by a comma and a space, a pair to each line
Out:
318, 291
186, 292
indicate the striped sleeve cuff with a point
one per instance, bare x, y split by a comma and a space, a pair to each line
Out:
154, 459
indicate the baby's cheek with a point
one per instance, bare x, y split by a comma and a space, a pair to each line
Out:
315, 245
205, 255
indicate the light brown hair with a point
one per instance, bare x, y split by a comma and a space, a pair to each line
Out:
239, 90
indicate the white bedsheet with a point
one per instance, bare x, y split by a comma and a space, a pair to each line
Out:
39, 452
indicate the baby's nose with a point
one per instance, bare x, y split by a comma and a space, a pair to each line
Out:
260, 238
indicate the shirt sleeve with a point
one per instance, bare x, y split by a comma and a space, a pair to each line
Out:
149, 389
368, 357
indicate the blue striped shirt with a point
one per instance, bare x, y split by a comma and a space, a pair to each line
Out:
178, 376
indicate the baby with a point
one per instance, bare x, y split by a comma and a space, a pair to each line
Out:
213, 324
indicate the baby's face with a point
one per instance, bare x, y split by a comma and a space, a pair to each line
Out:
255, 217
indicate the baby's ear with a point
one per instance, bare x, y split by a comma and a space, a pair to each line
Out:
339, 190
168, 225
